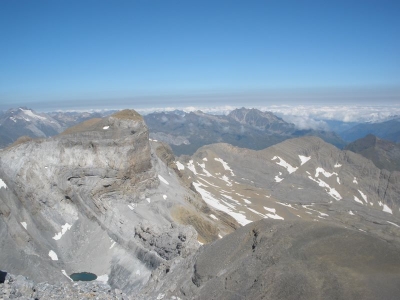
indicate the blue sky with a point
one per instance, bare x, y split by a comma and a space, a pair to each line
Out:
140, 53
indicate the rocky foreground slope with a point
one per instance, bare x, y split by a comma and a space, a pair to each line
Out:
321, 223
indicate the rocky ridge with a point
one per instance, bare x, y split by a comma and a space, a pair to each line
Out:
97, 199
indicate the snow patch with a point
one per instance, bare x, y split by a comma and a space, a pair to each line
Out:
102, 278
273, 210
247, 201
358, 200
304, 159
278, 179
205, 159
387, 209
66, 275
323, 172
106, 127
112, 245
363, 196
180, 166
163, 179
165, 197
31, 114
191, 167
213, 216
286, 204
393, 224
284, 164
351, 213
225, 165
331, 191
24, 225
53, 255
148, 200
337, 165
2, 184
132, 207
355, 180
210, 200
338, 180
64, 229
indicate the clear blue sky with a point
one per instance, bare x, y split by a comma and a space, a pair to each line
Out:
147, 52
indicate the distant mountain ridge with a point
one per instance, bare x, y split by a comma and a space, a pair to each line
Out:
248, 128
388, 130
23, 121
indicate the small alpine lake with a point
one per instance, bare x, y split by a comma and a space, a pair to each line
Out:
83, 276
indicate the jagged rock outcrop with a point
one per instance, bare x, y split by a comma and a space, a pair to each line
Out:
97, 199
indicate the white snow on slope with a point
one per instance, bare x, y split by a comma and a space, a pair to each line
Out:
2, 184
337, 165
338, 180
331, 191
106, 127
165, 197
273, 210
355, 180
210, 200
191, 167
203, 167
112, 245
323, 172
31, 114
53, 255
273, 214
278, 179
24, 224
363, 196
64, 229
205, 159
286, 204
351, 213
393, 224
225, 165
213, 216
180, 166
284, 164
304, 159
226, 179
321, 213
358, 200
102, 278
163, 179
387, 209
66, 275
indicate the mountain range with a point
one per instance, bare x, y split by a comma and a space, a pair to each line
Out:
249, 128
300, 219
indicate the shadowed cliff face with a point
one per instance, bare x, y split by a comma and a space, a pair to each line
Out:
90, 200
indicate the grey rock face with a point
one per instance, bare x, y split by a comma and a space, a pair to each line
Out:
384, 154
269, 259
94, 199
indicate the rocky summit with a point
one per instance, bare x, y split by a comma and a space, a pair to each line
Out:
297, 220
